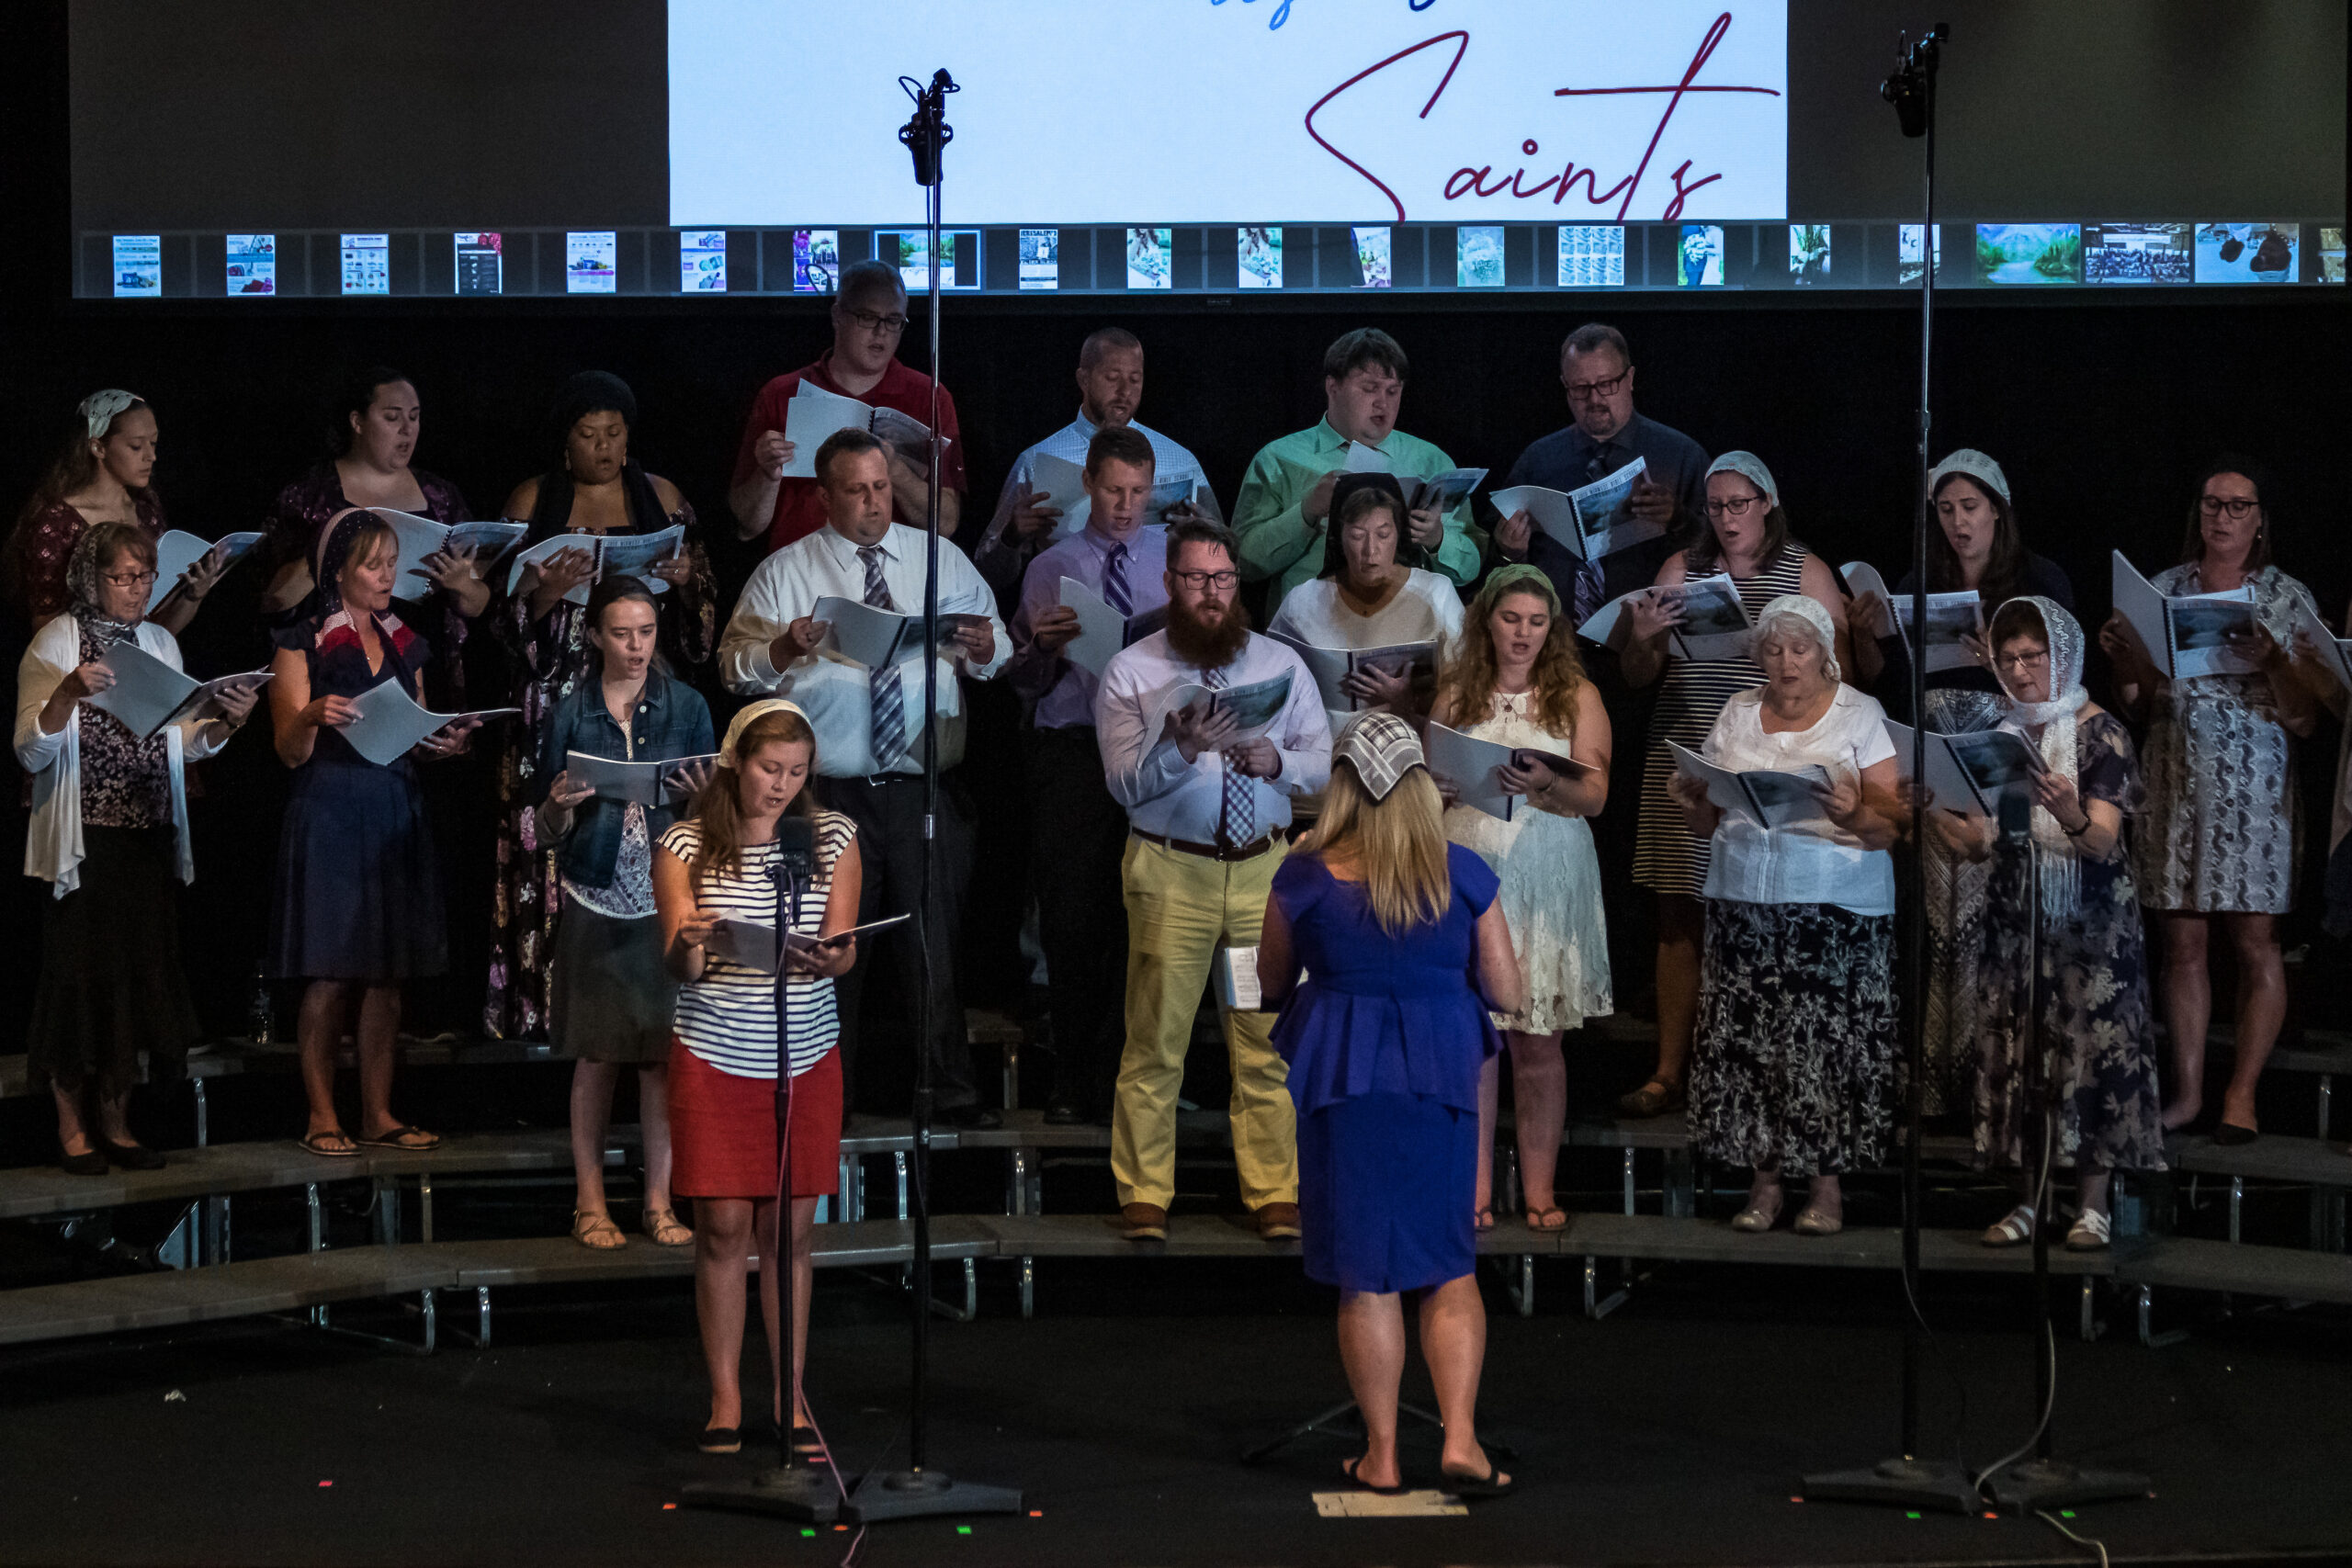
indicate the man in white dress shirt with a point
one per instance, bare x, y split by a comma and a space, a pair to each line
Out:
869, 729
1206, 814
1110, 390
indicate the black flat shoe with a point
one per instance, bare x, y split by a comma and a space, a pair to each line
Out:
91, 1164
130, 1156
2230, 1135
719, 1440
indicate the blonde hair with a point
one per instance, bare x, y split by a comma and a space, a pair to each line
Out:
1397, 844
720, 808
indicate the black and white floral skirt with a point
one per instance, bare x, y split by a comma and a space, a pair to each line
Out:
1794, 1062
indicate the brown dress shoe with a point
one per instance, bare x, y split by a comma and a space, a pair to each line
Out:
1144, 1222
1278, 1222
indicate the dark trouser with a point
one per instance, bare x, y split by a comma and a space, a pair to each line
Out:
888, 815
1076, 836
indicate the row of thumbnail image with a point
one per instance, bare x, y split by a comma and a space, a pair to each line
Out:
1589, 256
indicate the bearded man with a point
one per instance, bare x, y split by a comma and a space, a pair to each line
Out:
1207, 787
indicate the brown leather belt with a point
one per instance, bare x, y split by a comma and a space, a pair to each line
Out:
1210, 852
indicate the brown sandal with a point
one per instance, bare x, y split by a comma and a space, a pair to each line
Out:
1656, 1098
1550, 1218
596, 1232
663, 1228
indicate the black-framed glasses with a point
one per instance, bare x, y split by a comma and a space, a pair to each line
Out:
1738, 506
2021, 663
2237, 506
131, 578
1199, 581
1583, 390
894, 324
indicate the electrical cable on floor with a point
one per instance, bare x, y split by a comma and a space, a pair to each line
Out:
2059, 1524
2041, 1207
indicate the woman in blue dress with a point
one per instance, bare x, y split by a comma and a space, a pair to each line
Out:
357, 910
1386, 948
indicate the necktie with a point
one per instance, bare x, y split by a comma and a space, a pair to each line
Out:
1115, 591
1236, 822
1588, 591
888, 696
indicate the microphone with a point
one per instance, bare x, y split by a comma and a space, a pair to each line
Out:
2017, 815
796, 842
927, 134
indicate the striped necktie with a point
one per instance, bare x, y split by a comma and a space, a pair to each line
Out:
1115, 591
1236, 822
889, 697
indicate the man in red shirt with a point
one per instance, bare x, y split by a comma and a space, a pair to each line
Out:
869, 316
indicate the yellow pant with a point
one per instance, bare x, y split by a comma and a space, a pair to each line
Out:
1179, 908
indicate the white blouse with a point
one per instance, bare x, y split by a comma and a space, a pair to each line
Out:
1813, 862
1426, 609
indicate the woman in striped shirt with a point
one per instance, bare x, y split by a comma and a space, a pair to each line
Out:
727, 863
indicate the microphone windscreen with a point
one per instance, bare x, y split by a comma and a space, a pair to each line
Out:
795, 841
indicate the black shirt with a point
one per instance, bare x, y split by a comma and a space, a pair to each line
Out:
1569, 459
2038, 576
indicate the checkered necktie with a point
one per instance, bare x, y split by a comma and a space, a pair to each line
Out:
1115, 591
1236, 822
888, 697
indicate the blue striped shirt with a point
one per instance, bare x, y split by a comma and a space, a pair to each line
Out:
728, 1017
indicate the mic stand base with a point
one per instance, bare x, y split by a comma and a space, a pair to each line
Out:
925, 1494
1916, 1483
2036, 1483
788, 1492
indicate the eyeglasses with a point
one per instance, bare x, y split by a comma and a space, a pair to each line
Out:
131, 578
1199, 581
1589, 390
1739, 506
2237, 506
2020, 662
892, 324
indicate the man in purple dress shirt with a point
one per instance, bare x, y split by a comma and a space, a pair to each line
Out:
1078, 830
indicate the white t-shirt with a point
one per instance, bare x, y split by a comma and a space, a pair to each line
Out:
728, 1017
1812, 863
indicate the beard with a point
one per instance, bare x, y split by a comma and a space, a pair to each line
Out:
1211, 646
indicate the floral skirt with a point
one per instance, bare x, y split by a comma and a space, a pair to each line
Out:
1793, 1063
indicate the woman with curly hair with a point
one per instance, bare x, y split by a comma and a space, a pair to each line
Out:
1515, 679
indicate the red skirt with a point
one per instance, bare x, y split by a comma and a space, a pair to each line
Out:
722, 1128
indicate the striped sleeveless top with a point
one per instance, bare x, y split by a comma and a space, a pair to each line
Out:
728, 1017
1667, 857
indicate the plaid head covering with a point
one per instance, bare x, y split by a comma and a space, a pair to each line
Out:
1383, 748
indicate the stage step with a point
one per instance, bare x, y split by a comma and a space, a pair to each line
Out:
2307, 1162
2285, 1272
173, 1298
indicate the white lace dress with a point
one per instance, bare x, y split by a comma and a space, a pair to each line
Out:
1551, 889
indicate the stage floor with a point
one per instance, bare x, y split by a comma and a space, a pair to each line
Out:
1671, 1432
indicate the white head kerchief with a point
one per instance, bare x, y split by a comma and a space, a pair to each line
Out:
2050, 728
1807, 608
1750, 467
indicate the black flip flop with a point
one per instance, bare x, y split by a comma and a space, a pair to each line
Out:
311, 1145
1348, 1468
392, 1140
1477, 1488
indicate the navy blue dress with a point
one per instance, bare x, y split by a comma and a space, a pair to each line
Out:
1385, 1037
358, 888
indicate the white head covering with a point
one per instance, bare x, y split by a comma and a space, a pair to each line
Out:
98, 410
1750, 467
1807, 608
752, 712
2050, 728
1974, 465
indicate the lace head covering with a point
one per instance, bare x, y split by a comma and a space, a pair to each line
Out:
1750, 467
2050, 728
98, 410
1974, 465
332, 551
1807, 608
85, 587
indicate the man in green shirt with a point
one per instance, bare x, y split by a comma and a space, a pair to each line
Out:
1285, 499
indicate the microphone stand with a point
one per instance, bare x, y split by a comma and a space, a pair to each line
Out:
2044, 1481
1907, 1481
920, 1491
794, 1489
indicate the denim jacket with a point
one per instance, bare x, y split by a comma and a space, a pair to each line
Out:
671, 720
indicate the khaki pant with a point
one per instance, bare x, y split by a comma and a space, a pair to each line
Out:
1179, 908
